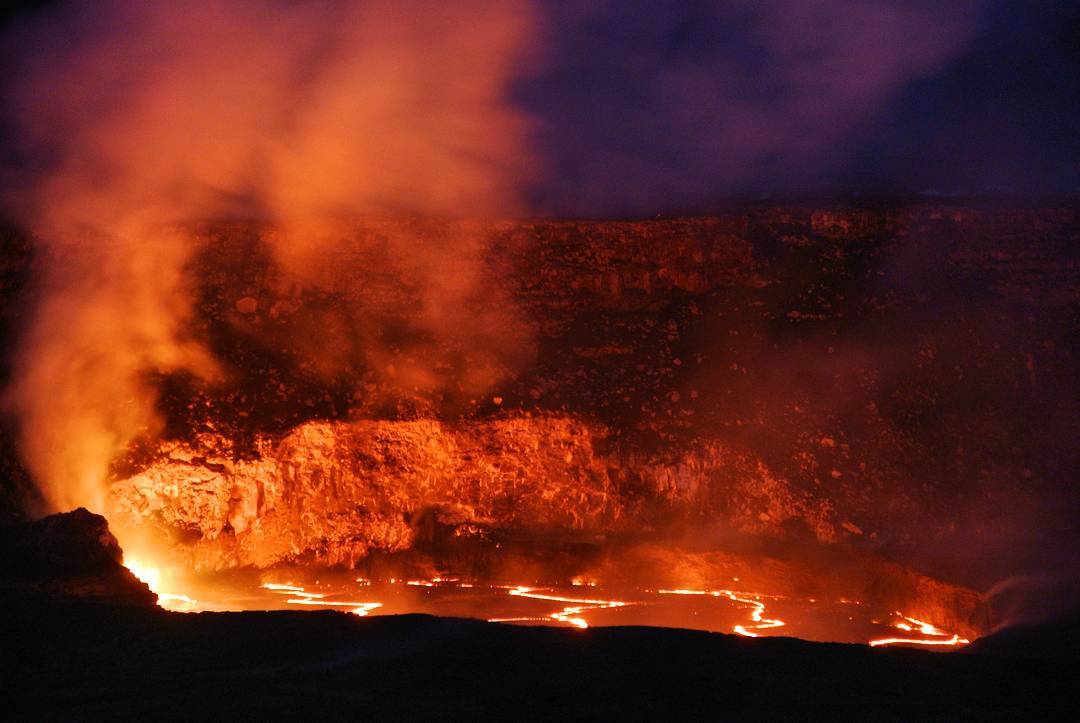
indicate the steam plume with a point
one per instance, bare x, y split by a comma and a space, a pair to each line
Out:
131, 119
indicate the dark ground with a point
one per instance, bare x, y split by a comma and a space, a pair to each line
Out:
88, 661
82, 639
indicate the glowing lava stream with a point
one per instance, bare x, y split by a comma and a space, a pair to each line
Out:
758, 616
300, 596
152, 577
572, 612
940, 637
567, 615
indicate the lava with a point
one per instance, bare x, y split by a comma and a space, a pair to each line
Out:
568, 614
300, 596
153, 578
571, 610
937, 636
757, 616
761, 622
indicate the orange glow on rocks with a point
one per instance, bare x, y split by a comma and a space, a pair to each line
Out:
152, 576
297, 595
934, 635
571, 614
296, 113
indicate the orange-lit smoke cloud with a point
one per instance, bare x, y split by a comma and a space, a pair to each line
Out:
133, 118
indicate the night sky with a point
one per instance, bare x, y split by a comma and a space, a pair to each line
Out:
639, 99
647, 107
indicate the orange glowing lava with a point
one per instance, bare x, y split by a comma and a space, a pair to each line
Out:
756, 612
757, 617
936, 636
298, 595
152, 576
569, 614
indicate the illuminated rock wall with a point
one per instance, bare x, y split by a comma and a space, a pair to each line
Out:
332, 492
896, 379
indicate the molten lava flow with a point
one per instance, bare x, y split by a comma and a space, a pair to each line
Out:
568, 614
937, 636
749, 614
757, 617
300, 596
153, 578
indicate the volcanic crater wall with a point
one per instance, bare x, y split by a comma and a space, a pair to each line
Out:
331, 492
900, 379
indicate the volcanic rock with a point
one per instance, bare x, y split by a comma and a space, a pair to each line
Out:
932, 346
896, 379
330, 493
136, 664
72, 555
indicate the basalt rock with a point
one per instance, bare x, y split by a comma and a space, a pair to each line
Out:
896, 378
71, 556
331, 493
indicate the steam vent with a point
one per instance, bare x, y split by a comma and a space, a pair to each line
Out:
549, 359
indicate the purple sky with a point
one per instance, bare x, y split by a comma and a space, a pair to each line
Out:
642, 107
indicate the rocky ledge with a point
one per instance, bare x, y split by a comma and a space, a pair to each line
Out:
69, 556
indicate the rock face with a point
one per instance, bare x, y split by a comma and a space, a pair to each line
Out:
546, 486
333, 492
68, 556
896, 379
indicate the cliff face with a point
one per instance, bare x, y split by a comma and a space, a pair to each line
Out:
333, 492
896, 379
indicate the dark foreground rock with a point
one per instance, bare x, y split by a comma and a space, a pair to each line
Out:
83, 640
69, 556
86, 661
1056, 638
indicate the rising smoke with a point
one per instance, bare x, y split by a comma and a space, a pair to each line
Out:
132, 119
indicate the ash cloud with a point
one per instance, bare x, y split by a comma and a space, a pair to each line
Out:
130, 120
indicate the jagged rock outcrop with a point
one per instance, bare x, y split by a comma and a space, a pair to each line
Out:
333, 492
72, 555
